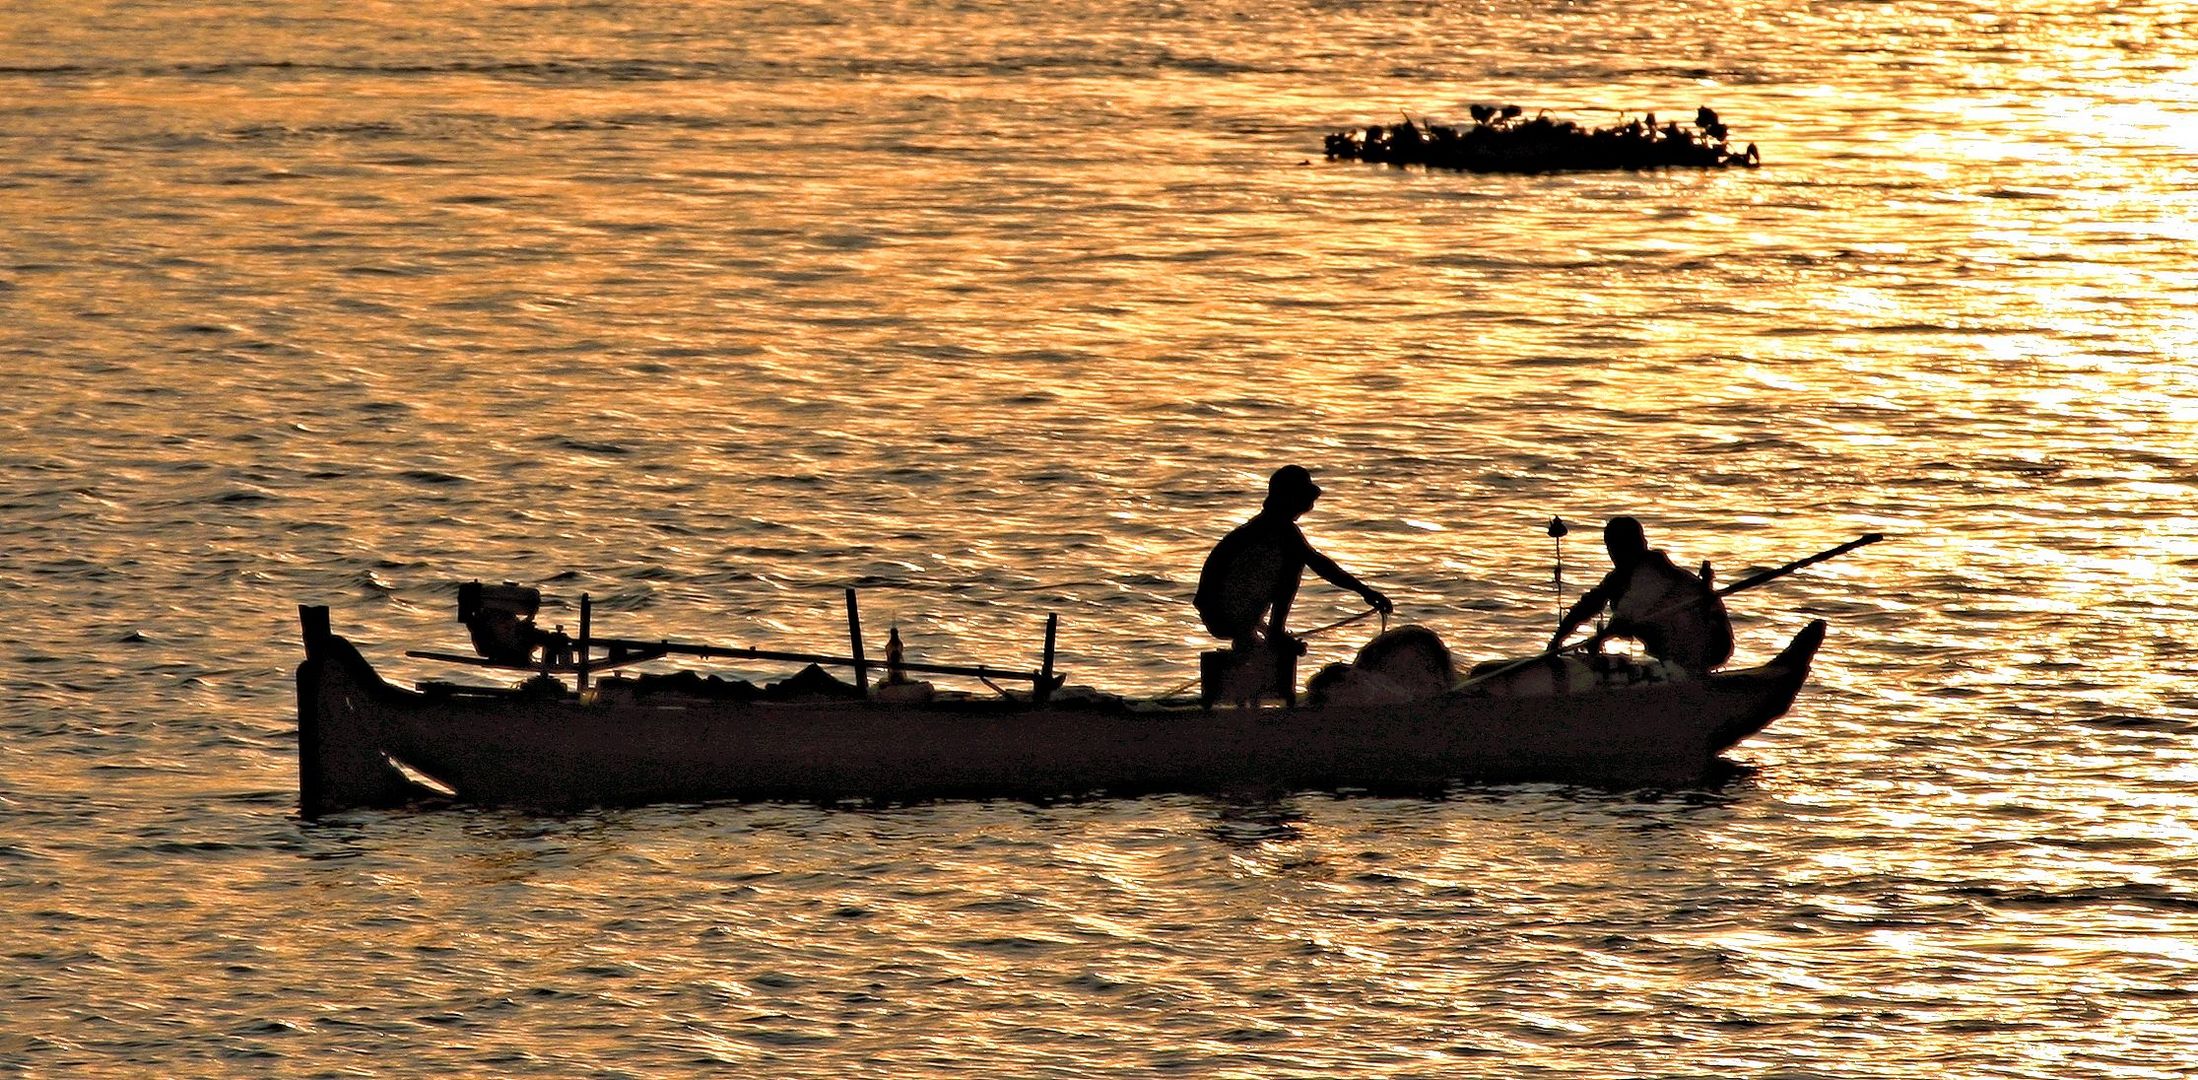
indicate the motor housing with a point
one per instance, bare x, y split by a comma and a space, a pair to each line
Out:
500, 619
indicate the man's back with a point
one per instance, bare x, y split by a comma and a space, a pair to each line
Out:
1245, 570
1673, 613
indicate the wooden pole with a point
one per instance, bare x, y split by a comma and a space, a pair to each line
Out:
854, 636
587, 608
1043, 688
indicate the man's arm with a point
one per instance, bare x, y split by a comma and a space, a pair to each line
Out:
1341, 578
1589, 605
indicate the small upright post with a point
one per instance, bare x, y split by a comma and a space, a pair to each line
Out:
587, 608
1044, 689
854, 637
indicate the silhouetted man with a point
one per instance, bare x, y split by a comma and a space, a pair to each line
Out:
1254, 570
1673, 614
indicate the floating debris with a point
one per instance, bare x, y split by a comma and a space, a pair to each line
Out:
1499, 141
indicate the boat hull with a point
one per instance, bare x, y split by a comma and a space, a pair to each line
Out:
559, 752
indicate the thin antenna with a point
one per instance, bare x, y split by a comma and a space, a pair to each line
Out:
1557, 531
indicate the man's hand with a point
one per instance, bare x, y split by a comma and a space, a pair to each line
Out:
1378, 601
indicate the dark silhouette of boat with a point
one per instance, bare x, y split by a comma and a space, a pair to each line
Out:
542, 745
1500, 141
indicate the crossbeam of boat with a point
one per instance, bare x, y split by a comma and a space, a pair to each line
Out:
625, 651
612, 662
563, 656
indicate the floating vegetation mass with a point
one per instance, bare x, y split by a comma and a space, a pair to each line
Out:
1500, 141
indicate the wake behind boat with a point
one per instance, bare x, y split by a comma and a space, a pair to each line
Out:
544, 744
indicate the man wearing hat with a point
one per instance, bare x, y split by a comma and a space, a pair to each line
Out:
1255, 569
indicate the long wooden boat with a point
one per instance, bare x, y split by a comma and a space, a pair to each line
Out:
558, 749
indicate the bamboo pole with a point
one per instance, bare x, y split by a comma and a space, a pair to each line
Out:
587, 608
854, 636
1043, 687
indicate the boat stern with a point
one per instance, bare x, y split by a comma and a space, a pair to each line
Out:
342, 764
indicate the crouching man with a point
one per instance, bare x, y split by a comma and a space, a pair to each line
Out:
1675, 615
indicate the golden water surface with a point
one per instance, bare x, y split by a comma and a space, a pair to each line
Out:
710, 309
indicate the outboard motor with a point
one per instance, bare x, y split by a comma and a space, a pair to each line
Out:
501, 620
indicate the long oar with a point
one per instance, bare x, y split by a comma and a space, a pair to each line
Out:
1754, 580
1749, 582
